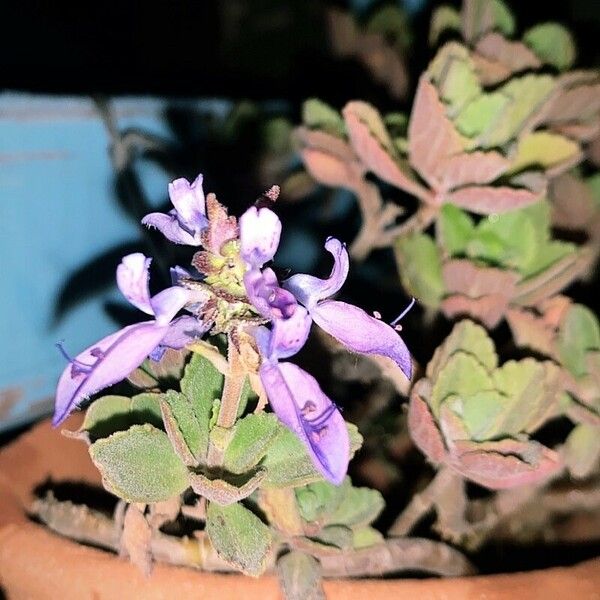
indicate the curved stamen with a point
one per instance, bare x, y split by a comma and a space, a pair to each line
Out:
403, 313
78, 367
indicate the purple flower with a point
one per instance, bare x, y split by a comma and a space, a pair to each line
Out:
183, 224
352, 326
113, 358
260, 230
297, 399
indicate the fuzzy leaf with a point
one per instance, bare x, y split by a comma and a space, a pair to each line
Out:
465, 337
239, 537
456, 228
431, 136
480, 412
582, 450
579, 334
360, 506
374, 146
514, 56
300, 576
288, 464
251, 439
468, 278
420, 267
453, 73
226, 492
202, 383
487, 309
553, 44
139, 465
192, 430
337, 536
327, 168
462, 375
422, 426
316, 114
364, 537
116, 413
543, 149
505, 464
317, 501
486, 200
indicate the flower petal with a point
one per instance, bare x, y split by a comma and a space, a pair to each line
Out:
309, 290
188, 200
362, 333
132, 279
105, 363
300, 404
183, 331
168, 303
260, 230
169, 226
270, 300
289, 335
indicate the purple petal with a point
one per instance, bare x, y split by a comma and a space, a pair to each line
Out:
183, 331
105, 363
169, 226
189, 202
178, 273
260, 230
270, 300
132, 279
289, 335
168, 303
309, 290
362, 333
300, 404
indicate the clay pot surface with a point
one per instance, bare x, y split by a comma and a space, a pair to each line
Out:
37, 564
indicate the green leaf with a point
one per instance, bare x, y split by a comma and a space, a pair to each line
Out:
456, 229
117, 413
454, 75
251, 439
463, 375
543, 149
316, 114
553, 44
239, 537
420, 267
201, 384
479, 114
194, 433
466, 336
337, 536
582, 450
288, 464
593, 182
481, 16
444, 18
300, 576
139, 465
365, 537
359, 506
318, 500
480, 412
247, 396
579, 334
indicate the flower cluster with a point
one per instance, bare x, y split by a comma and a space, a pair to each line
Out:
234, 288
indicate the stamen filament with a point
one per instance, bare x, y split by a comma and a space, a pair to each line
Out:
403, 313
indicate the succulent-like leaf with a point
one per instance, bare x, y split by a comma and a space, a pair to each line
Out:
507, 463
317, 114
544, 149
364, 537
226, 492
481, 16
420, 267
359, 507
514, 56
552, 43
139, 465
317, 501
579, 334
239, 537
582, 450
179, 414
422, 425
466, 336
444, 18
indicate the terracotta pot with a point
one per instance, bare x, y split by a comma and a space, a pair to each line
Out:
36, 564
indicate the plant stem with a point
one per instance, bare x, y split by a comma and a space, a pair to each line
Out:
230, 399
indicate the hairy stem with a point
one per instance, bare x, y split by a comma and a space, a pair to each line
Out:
89, 526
